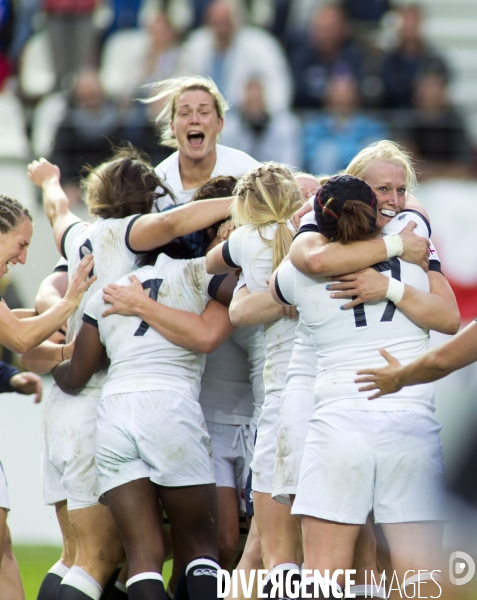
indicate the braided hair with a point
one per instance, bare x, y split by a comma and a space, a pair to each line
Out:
345, 209
12, 213
266, 195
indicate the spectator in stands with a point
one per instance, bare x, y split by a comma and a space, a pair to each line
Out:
253, 129
334, 136
365, 15
72, 34
435, 132
6, 34
232, 53
162, 56
140, 128
412, 57
125, 14
326, 50
85, 136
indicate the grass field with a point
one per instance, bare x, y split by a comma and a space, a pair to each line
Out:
34, 562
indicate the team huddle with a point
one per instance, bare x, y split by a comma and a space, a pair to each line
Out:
209, 371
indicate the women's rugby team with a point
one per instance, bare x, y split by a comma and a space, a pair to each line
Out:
205, 367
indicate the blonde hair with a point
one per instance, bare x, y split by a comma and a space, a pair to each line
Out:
169, 91
266, 195
383, 151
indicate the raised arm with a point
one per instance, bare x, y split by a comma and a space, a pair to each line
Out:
151, 231
21, 335
46, 176
457, 353
88, 357
199, 333
312, 254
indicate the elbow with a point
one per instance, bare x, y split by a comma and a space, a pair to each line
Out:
20, 346
238, 317
440, 361
452, 325
309, 263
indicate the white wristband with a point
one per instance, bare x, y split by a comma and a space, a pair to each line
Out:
394, 245
395, 290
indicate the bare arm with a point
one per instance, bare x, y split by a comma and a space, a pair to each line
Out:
151, 231
55, 202
89, 356
312, 253
457, 353
215, 263
45, 357
52, 289
199, 333
19, 335
248, 309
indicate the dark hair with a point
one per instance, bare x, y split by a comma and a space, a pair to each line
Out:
128, 185
345, 209
12, 213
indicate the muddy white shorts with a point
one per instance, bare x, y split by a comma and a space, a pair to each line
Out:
296, 407
358, 461
263, 463
229, 446
69, 425
156, 434
4, 500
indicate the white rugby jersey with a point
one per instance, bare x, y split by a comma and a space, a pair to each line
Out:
347, 341
141, 358
108, 241
423, 229
229, 162
238, 364
247, 248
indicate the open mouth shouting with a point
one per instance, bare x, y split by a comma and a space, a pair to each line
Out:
195, 138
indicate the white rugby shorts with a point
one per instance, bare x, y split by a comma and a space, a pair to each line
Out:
263, 462
296, 407
156, 434
358, 461
4, 500
231, 456
69, 425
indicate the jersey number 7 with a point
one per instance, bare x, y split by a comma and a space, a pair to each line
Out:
151, 289
393, 265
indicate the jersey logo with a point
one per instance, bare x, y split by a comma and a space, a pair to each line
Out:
151, 289
393, 265
85, 250
400, 218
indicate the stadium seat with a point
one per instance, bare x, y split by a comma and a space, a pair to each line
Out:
37, 73
47, 116
13, 139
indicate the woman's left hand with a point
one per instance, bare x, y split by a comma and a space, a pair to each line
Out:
28, 383
364, 286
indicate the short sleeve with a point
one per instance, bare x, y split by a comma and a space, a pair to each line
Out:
68, 241
61, 266
399, 222
92, 314
285, 283
232, 249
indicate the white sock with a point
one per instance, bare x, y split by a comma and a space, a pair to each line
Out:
121, 587
59, 569
79, 579
142, 576
333, 587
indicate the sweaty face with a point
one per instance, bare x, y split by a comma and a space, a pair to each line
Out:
14, 245
196, 124
388, 182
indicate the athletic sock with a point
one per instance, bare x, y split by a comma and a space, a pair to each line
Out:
181, 592
308, 588
367, 591
52, 581
272, 589
109, 587
78, 585
146, 586
202, 578
119, 592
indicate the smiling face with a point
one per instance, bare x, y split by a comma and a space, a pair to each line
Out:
388, 182
196, 124
14, 245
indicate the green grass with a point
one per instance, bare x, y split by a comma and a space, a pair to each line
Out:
35, 561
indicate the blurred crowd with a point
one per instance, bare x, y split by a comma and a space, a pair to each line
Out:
309, 82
